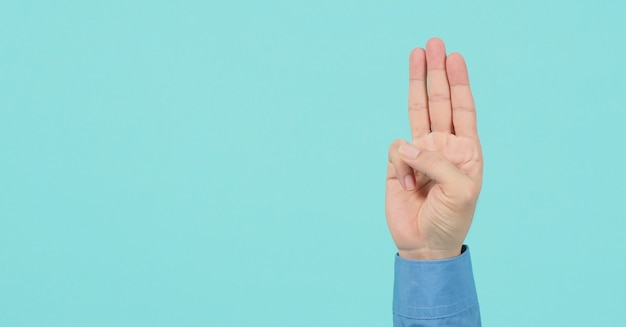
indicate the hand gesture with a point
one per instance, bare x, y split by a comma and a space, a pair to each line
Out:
433, 182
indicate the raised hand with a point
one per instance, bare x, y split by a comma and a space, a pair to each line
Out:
433, 182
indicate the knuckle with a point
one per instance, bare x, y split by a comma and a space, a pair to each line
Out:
468, 193
463, 108
418, 107
396, 144
393, 149
439, 97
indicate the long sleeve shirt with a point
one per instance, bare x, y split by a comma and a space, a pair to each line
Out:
435, 293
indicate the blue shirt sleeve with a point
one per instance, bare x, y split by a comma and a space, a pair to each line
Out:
434, 293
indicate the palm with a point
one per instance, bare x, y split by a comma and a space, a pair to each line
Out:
427, 211
436, 213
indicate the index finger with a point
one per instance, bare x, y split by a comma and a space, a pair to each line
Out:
418, 99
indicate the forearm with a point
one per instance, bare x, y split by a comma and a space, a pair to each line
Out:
432, 293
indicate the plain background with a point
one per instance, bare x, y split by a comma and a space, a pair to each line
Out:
194, 163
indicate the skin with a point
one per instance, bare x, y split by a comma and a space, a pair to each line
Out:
434, 181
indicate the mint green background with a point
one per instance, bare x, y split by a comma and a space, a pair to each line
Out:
204, 163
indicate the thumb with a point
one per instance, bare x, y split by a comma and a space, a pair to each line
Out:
437, 167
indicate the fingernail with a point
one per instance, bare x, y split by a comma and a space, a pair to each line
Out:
409, 183
409, 151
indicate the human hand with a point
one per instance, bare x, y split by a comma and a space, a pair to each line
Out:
433, 182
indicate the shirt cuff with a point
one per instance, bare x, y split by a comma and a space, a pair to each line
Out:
431, 289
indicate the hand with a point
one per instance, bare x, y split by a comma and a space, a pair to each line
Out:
433, 182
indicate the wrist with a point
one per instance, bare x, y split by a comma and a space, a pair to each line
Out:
430, 254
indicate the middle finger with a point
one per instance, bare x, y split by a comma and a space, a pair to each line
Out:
439, 106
